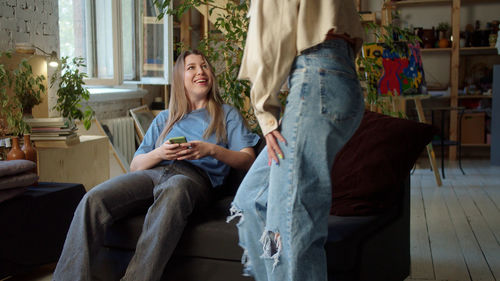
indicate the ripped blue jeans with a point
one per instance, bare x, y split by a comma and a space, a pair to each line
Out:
284, 208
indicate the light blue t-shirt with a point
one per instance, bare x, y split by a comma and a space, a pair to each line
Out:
192, 126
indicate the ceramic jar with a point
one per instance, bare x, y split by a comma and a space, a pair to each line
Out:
443, 43
28, 149
15, 153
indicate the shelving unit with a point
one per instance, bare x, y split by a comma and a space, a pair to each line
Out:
458, 56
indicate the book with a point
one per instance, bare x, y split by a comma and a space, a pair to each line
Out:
62, 142
60, 122
53, 136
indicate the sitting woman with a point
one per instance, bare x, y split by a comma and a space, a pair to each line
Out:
170, 180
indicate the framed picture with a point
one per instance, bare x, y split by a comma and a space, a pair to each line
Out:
142, 120
402, 70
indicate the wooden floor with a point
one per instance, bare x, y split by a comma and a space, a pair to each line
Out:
455, 229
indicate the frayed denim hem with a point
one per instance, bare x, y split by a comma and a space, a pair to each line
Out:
245, 261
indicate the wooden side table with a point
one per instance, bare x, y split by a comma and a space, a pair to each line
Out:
86, 162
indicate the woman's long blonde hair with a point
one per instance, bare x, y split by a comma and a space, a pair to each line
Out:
179, 104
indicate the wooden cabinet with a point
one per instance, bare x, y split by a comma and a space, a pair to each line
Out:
86, 163
459, 57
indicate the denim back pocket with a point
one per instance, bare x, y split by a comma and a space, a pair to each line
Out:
340, 94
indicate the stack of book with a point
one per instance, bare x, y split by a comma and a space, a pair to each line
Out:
50, 132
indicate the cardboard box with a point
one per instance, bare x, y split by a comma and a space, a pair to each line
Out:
473, 128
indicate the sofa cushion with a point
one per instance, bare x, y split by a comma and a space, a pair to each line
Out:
206, 235
368, 171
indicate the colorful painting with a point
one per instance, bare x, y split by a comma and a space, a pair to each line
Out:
403, 72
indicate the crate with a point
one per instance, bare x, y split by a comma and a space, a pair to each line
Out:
473, 128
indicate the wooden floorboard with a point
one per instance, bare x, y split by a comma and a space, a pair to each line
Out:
461, 220
420, 251
447, 258
473, 255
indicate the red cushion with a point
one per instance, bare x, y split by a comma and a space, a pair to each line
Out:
369, 170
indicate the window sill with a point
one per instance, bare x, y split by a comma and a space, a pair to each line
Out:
113, 94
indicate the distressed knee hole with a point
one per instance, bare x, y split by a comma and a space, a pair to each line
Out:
271, 246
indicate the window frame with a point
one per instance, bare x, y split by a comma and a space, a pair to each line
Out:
118, 78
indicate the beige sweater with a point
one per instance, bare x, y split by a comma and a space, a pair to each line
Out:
279, 30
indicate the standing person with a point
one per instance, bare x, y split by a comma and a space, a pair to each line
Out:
284, 200
168, 180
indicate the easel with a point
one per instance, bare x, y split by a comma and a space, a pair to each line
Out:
399, 102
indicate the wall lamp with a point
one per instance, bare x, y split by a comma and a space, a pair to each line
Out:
52, 59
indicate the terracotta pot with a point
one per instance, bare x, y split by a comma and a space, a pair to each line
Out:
443, 43
15, 153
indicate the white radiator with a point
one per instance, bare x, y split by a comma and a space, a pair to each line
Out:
123, 132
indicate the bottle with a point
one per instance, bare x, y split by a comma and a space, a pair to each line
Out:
28, 149
16, 152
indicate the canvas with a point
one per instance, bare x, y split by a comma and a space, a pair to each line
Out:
403, 72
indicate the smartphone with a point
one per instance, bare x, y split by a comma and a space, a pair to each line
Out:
177, 140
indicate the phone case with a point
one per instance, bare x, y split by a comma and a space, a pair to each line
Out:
178, 140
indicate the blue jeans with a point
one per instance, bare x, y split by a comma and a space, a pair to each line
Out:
284, 208
168, 193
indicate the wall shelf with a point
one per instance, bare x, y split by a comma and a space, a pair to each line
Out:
476, 145
478, 51
475, 97
458, 56
419, 2
435, 50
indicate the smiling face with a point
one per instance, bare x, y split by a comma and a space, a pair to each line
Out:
197, 78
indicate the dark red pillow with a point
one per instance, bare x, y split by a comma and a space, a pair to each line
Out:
368, 171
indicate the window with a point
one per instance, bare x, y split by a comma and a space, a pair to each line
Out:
121, 40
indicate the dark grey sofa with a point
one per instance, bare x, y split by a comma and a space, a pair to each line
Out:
369, 237
359, 247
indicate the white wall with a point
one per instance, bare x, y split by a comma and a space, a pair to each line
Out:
29, 21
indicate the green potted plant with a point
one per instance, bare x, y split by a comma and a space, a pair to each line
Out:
28, 87
443, 28
11, 113
443, 34
71, 91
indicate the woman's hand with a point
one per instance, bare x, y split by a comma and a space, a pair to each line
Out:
273, 149
169, 151
194, 150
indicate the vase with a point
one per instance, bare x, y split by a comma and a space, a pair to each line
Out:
443, 43
28, 149
15, 152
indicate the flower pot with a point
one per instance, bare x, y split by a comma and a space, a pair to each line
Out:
443, 43
15, 153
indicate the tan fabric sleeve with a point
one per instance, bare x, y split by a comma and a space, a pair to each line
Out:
269, 54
